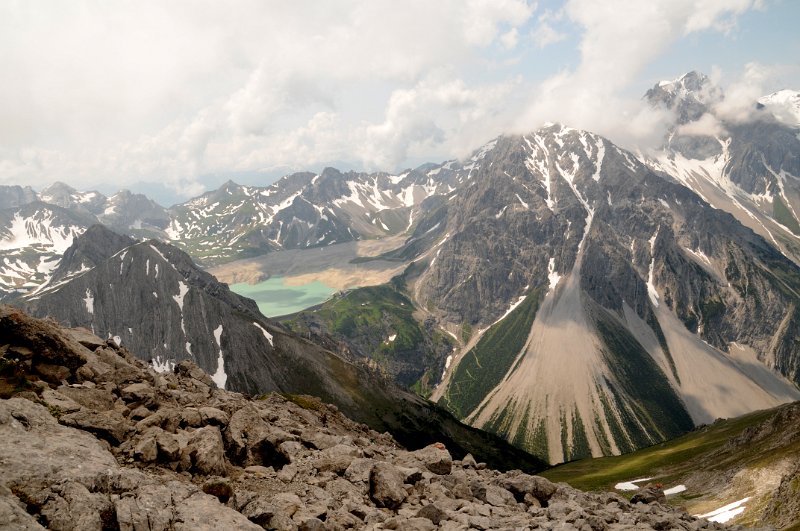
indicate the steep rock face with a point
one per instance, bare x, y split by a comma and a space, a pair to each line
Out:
151, 298
608, 301
134, 214
198, 457
65, 196
16, 196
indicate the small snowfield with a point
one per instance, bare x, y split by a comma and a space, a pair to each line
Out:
721, 515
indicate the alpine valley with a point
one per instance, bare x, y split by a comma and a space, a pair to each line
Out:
554, 289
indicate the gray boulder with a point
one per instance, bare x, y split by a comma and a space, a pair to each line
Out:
386, 485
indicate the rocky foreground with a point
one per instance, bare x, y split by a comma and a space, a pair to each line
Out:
92, 438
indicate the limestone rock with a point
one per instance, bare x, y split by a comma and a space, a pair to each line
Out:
36, 450
59, 402
13, 516
214, 417
649, 494
108, 425
386, 485
138, 392
207, 451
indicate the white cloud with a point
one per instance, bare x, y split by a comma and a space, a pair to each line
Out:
544, 35
706, 125
619, 39
439, 113
105, 90
510, 39
96, 90
739, 103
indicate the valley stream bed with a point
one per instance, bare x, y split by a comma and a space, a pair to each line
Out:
275, 297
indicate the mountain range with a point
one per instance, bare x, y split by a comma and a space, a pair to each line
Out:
576, 298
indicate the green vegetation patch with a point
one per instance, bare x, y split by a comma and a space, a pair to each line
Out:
304, 401
379, 322
707, 448
580, 444
650, 397
485, 365
784, 216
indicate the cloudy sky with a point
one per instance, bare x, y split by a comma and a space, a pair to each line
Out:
174, 97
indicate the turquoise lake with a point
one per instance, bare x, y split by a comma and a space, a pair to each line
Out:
275, 298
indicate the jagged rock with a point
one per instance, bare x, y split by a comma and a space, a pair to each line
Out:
85, 338
221, 488
169, 446
312, 524
54, 374
138, 392
359, 470
191, 370
139, 413
468, 461
96, 398
146, 450
13, 516
337, 458
275, 512
176, 506
292, 450
71, 506
108, 425
435, 459
386, 485
207, 451
491, 494
432, 513
59, 402
649, 494
246, 431
191, 417
36, 450
213, 416
523, 484
319, 441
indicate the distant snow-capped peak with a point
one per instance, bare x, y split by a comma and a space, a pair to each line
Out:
785, 105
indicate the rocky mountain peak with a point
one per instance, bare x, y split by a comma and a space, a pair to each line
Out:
689, 96
16, 196
58, 187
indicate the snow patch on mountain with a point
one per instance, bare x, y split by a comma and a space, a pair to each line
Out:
89, 301
219, 376
266, 334
552, 276
651, 288
785, 105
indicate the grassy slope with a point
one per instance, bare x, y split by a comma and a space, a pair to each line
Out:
666, 461
367, 318
701, 459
